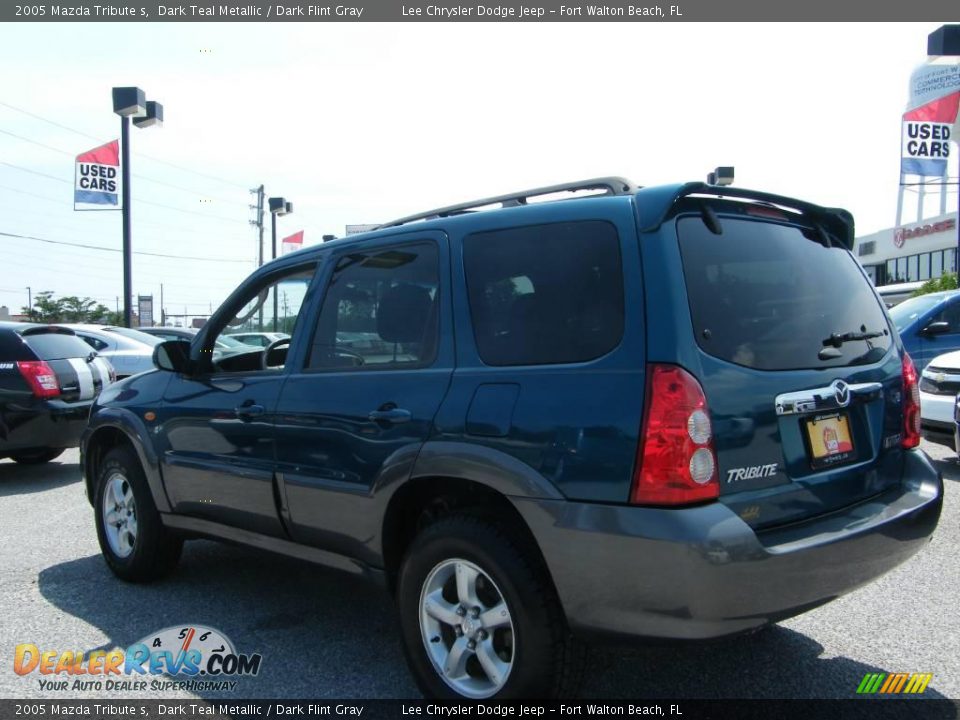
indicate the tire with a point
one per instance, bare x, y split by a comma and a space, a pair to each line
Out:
141, 550
537, 656
37, 457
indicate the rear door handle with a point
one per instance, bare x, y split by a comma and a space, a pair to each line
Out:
245, 412
390, 415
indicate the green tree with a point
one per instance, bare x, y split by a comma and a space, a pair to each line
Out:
947, 281
45, 308
69, 309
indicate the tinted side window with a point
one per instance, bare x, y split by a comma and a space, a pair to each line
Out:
545, 293
380, 311
95, 343
766, 296
950, 315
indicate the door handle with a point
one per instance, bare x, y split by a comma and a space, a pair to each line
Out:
246, 412
390, 415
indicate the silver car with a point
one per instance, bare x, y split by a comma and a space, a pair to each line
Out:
129, 351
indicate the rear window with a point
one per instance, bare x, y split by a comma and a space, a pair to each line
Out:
56, 346
545, 294
766, 296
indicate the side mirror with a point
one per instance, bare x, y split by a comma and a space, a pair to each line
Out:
936, 328
172, 356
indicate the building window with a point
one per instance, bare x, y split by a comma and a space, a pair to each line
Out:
924, 266
867, 248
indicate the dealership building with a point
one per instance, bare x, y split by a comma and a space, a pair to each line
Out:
911, 251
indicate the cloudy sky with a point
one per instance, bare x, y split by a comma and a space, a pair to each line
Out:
363, 123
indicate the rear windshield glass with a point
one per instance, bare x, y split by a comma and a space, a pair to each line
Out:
57, 346
906, 313
767, 296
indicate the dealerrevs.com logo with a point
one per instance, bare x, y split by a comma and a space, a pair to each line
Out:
190, 657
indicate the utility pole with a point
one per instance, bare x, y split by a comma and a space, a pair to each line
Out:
163, 317
29, 303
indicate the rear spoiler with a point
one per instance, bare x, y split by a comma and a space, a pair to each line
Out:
45, 329
655, 204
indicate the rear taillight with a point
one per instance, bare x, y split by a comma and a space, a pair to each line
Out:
41, 378
676, 462
911, 405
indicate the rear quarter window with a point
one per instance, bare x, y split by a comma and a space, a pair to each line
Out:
766, 296
545, 294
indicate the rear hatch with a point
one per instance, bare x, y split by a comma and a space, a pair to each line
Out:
79, 372
798, 364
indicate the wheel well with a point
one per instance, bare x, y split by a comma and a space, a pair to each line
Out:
423, 501
101, 442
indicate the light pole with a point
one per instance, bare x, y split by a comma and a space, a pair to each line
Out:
131, 102
278, 206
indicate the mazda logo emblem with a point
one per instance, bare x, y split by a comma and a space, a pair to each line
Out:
841, 392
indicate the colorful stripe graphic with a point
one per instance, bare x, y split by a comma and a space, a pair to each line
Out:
894, 683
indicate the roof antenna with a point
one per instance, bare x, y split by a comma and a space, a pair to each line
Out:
721, 176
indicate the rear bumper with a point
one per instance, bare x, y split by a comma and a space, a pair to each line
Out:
936, 408
43, 424
702, 572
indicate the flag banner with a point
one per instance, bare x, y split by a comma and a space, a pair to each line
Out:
931, 122
97, 176
926, 136
292, 243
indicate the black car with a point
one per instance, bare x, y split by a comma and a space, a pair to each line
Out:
49, 378
676, 412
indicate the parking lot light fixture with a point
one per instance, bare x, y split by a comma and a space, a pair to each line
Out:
278, 206
131, 102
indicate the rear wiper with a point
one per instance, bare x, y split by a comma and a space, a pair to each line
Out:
838, 339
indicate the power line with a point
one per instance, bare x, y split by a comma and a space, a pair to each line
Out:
87, 135
139, 200
35, 172
107, 249
164, 226
136, 175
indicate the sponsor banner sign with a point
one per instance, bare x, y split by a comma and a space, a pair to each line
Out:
291, 243
145, 310
97, 176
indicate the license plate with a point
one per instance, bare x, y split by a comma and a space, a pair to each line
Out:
830, 440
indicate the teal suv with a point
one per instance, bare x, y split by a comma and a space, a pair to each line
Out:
672, 412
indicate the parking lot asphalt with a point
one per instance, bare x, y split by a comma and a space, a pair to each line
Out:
326, 635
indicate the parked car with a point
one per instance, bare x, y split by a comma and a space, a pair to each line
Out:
929, 325
939, 386
48, 380
258, 339
128, 353
225, 343
656, 421
170, 333
896, 293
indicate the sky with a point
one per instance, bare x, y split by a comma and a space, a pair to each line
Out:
367, 122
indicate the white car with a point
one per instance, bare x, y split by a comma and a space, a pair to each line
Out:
129, 351
939, 386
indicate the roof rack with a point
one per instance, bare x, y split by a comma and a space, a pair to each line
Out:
610, 186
